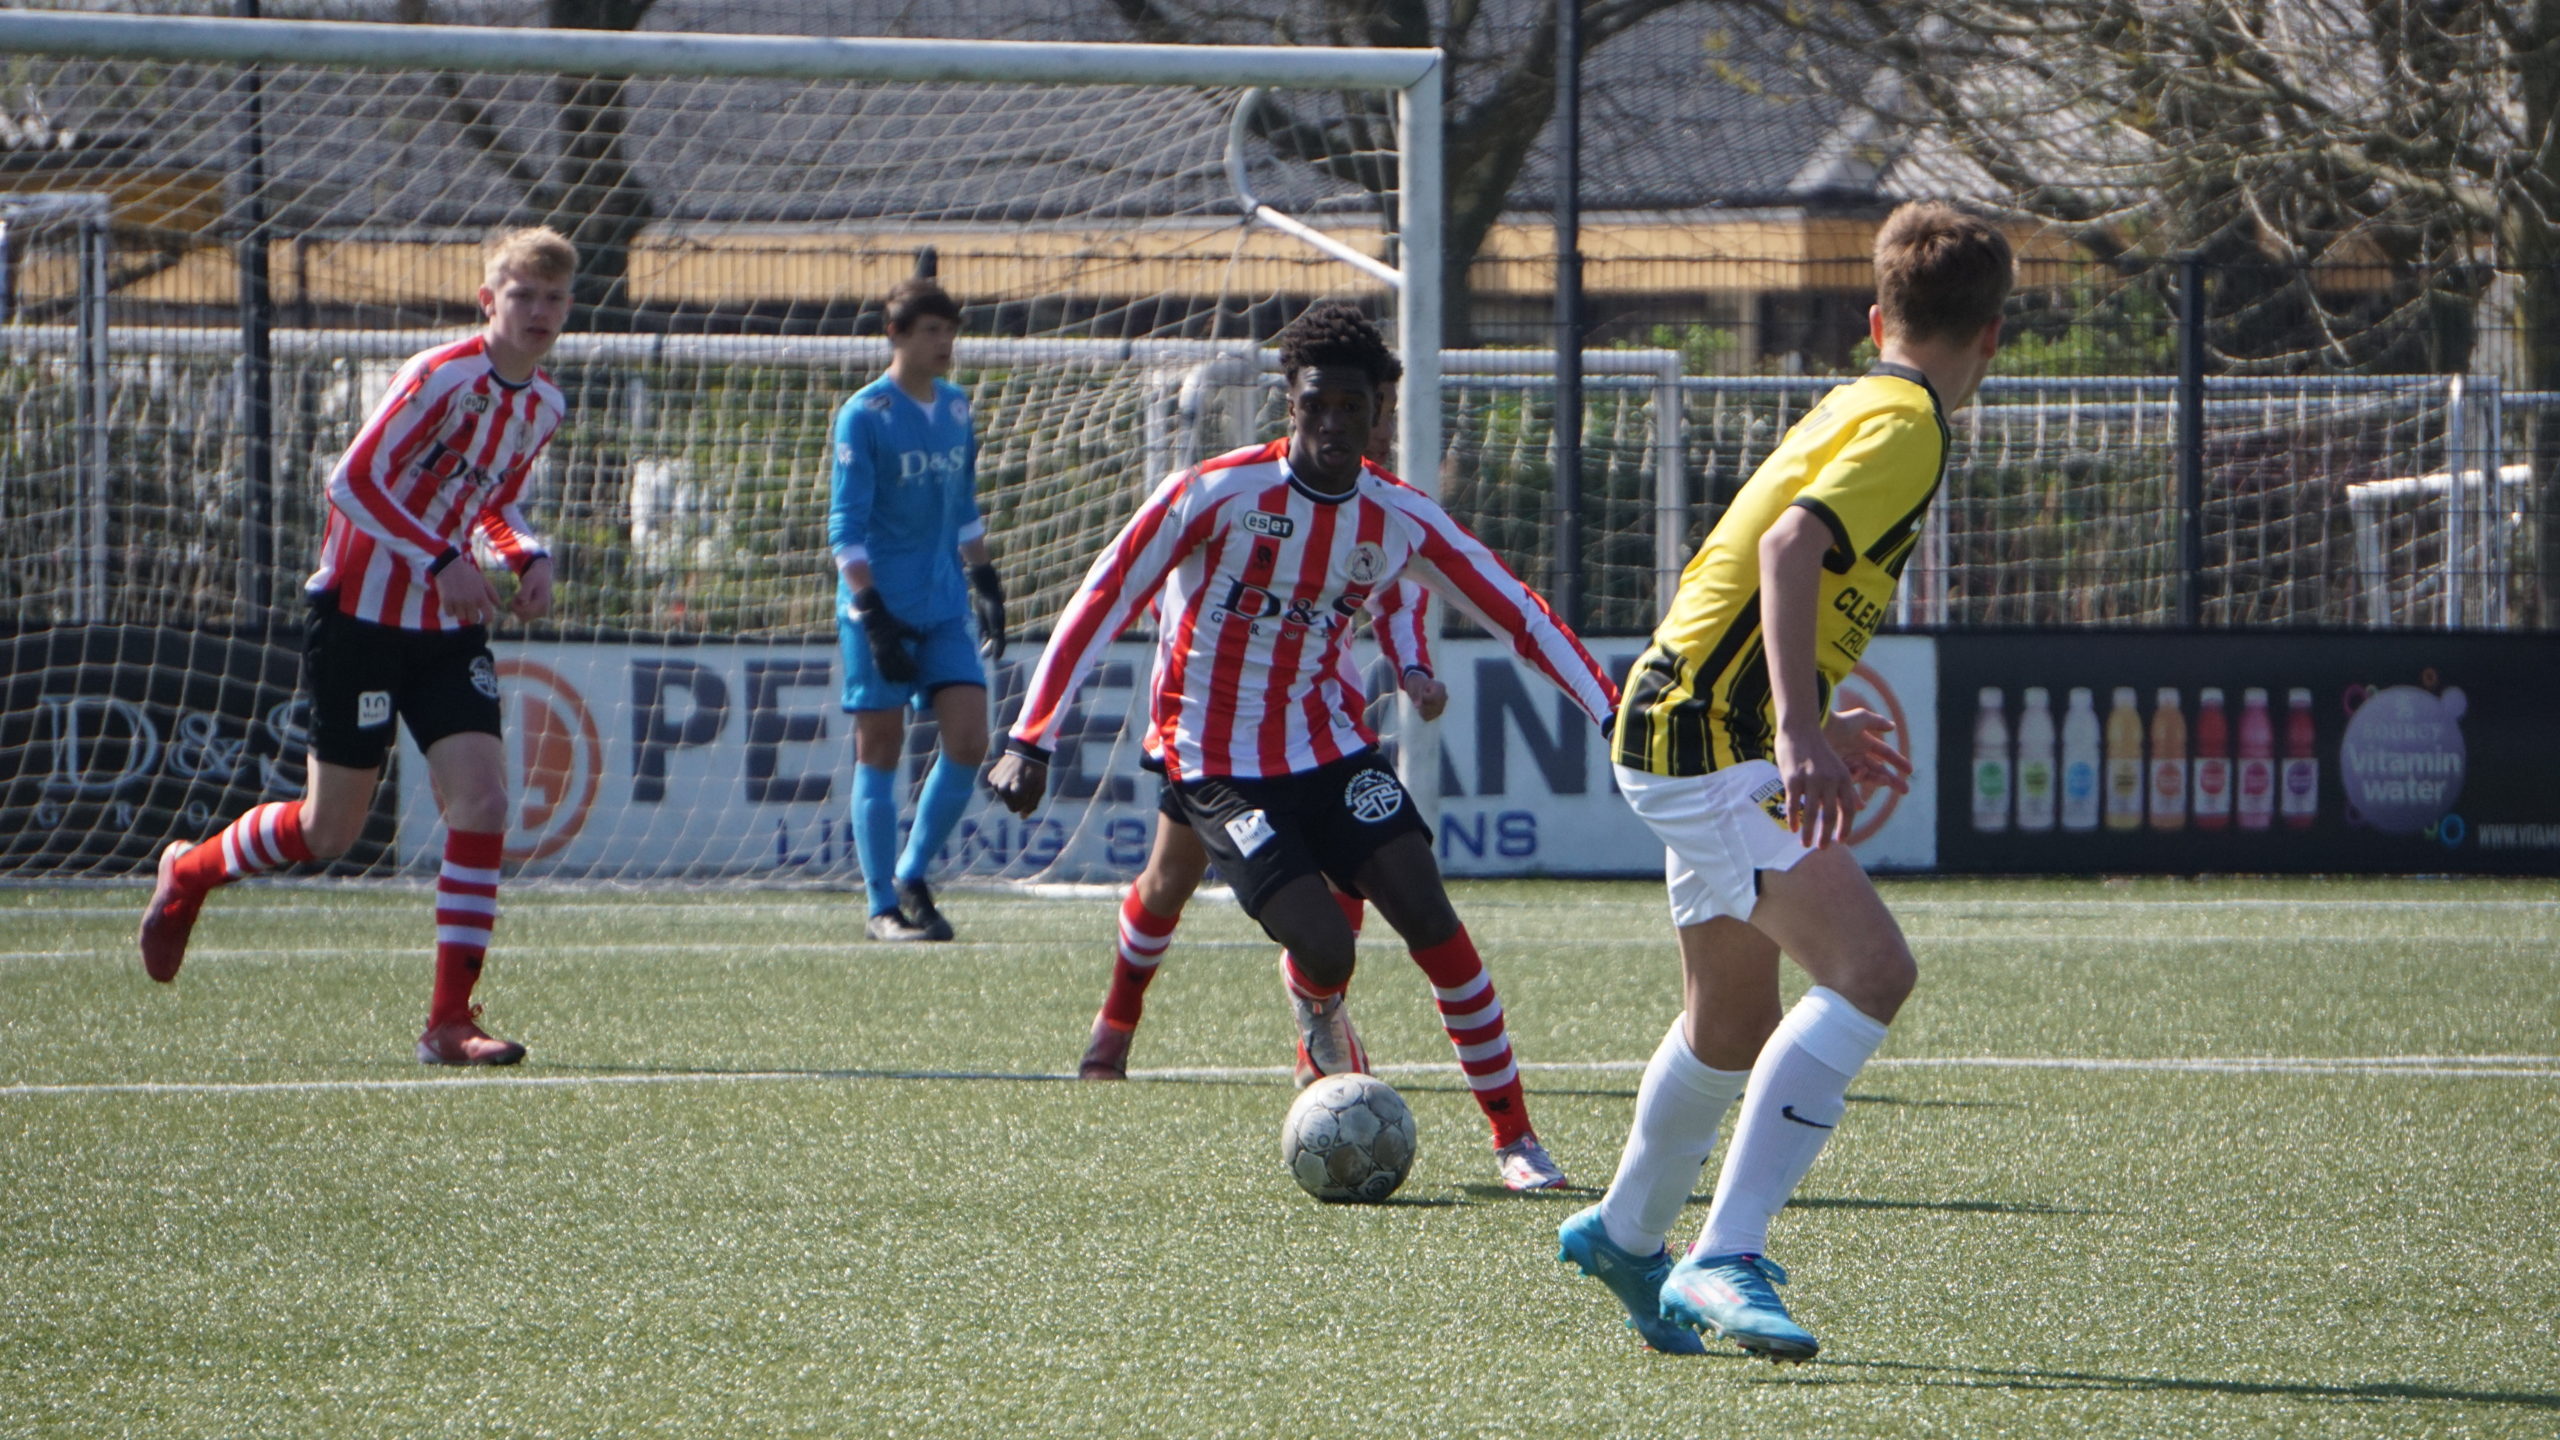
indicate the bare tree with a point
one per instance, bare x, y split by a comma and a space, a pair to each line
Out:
2277, 139
2273, 137
586, 187
1501, 83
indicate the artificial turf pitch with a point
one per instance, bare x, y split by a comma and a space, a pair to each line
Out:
2231, 1158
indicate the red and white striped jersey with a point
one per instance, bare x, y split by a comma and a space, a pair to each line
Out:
1262, 578
1399, 620
445, 453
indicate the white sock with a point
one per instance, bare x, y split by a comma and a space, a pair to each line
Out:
1798, 1090
1678, 1108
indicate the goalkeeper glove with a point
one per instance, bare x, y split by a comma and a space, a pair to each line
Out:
987, 598
888, 636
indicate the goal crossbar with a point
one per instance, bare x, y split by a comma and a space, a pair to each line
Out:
612, 52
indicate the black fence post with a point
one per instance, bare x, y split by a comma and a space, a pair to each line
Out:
1568, 424
2190, 438
257, 357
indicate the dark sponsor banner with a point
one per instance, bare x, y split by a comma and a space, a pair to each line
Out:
2190, 753
116, 739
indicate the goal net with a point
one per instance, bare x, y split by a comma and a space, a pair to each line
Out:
222, 237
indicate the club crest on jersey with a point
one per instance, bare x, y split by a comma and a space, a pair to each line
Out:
484, 676
1263, 522
960, 409
1372, 796
1365, 563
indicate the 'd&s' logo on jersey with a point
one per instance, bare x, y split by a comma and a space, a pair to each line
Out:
557, 759
1867, 690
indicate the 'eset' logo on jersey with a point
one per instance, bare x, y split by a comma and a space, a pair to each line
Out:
1262, 522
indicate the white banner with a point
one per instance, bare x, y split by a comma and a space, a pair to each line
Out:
649, 761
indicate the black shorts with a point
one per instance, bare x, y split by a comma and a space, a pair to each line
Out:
1168, 804
362, 676
1328, 821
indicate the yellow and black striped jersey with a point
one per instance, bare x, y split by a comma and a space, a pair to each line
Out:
1866, 461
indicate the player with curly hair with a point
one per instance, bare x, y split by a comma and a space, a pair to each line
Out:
1259, 562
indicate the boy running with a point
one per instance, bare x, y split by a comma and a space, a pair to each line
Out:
399, 628
1263, 559
1724, 749
902, 521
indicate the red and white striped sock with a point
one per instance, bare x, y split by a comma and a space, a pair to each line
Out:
1144, 934
466, 913
268, 837
1472, 1014
1302, 987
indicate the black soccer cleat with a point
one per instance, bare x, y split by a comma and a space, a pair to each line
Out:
915, 906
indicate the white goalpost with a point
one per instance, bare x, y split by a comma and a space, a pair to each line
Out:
282, 210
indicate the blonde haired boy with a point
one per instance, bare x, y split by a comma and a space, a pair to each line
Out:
1726, 748
398, 629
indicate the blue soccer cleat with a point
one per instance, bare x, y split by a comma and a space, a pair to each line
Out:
1732, 1296
1635, 1280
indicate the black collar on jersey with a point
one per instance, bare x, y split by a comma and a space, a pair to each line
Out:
1905, 372
1299, 483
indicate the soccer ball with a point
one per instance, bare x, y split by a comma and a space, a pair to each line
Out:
1348, 1139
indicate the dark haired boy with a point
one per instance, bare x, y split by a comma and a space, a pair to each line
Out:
1725, 748
903, 523
1262, 559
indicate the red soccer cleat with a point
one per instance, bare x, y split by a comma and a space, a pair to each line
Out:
170, 920
463, 1042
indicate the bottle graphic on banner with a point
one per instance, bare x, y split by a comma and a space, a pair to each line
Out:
2124, 763
1991, 763
2168, 762
2256, 802
2301, 799
2035, 760
2212, 761
2080, 762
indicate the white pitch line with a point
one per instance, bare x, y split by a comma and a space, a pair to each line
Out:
532, 946
725, 910
2543, 1067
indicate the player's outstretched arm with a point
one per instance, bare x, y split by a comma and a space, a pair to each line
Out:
1122, 582
1476, 581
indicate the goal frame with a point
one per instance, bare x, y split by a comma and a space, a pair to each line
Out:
1414, 78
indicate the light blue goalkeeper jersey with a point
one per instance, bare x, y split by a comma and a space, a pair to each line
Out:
904, 496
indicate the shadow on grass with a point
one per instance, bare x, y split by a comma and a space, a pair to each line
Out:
1938, 1104
1561, 1194
1979, 1379
1951, 1207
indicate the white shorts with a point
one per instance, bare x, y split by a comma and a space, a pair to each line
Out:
1715, 834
